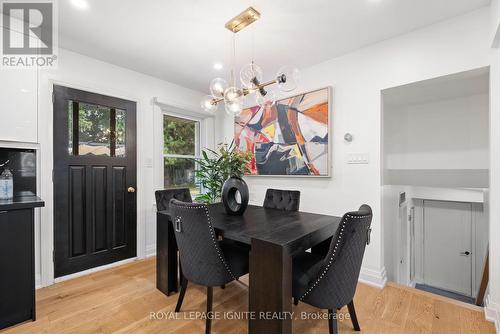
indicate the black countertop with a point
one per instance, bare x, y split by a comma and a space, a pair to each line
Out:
24, 202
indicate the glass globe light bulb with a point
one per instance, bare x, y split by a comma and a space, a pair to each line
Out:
265, 101
207, 103
287, 78
234, 107
232, 94
217, 87
248, 73
233, 100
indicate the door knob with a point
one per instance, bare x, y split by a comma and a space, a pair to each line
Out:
131, 189
466, 253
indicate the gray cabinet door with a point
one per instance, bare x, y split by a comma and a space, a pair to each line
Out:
448, 246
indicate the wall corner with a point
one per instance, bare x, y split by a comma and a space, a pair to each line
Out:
492, 312
374, 278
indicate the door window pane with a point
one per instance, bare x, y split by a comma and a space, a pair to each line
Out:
121, 123
96, 130
179, 136
70, 127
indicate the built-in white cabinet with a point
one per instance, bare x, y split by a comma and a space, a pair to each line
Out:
18, 103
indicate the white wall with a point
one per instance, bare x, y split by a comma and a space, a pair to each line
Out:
495, 23
446, 134
85, 73
442, 141
494, 195
452, 46
390, 212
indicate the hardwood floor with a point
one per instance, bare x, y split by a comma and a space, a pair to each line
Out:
121, 299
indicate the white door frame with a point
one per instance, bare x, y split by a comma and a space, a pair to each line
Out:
413, 256
403, 245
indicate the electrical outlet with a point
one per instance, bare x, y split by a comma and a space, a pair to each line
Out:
358, 158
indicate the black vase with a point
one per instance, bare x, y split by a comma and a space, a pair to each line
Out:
231, 187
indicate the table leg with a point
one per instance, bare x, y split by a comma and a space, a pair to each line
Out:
270, 295
166, 256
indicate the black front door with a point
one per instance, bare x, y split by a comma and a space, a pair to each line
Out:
94, 180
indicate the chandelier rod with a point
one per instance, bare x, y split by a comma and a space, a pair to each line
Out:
233, 76
247, 91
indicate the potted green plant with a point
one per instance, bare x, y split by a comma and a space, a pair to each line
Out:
215, 167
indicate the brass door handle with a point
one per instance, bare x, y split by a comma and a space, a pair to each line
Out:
131, 189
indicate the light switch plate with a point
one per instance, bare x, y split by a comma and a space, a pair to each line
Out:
358, 158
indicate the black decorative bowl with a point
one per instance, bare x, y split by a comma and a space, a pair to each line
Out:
234, 205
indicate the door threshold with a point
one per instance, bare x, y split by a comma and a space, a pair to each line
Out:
445, 293
434, 296
94, 270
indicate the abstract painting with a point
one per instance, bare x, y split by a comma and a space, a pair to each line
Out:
289, 138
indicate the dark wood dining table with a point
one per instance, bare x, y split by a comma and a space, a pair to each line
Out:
275, 236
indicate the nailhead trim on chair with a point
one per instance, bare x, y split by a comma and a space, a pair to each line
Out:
214, 239
341, 233
217, 248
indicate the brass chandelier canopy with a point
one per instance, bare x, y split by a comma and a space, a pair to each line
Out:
243, 19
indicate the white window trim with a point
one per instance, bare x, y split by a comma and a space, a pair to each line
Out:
206, 133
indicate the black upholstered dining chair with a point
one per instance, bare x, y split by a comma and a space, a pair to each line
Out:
330, 282
288, 200
205, 260
163, 197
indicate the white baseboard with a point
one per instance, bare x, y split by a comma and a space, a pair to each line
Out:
94, 270
492, 312
375, 278
150, 250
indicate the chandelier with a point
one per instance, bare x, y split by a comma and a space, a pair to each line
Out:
251, 77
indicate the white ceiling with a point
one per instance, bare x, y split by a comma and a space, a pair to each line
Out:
179, 41
453, 86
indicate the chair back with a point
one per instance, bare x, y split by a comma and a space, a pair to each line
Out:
287, 200
201, 258
337, 279
163, 197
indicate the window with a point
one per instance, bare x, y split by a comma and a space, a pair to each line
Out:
95, 130
180, 147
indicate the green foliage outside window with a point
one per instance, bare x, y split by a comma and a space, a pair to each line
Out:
215, 167
94, 129
179, 136
179, 149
